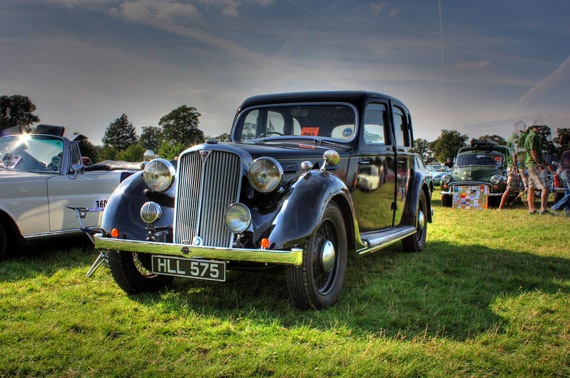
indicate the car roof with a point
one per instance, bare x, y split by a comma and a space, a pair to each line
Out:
354, 97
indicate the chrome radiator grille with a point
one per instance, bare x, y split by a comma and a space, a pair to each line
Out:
206, 186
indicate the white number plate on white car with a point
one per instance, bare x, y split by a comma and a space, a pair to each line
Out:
190, 268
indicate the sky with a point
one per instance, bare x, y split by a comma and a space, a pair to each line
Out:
477, 67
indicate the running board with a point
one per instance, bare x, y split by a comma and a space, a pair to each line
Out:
379, 240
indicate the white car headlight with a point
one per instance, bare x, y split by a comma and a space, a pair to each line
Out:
496, 179
237, 217
265, 174
158, 175
446, 179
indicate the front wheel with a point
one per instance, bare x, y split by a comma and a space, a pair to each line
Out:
417, 241
132, 272
317, 283
446, 200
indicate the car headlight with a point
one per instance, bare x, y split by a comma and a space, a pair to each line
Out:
496, 179
446, 179
237, 217
151, 212
265, 174
158, 175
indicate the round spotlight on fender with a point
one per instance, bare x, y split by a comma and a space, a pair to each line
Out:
151, 212
238, 217
158, 175
265, 174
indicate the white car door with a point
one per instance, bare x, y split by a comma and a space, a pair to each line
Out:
90, 190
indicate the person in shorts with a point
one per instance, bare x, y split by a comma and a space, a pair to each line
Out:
512, 172
537, 180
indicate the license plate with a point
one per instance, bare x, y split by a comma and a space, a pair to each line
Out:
189, 268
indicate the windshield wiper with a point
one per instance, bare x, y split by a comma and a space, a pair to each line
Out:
326, 142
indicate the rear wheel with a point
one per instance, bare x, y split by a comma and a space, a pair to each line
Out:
132, 272
317, 283
3, 242
417, 241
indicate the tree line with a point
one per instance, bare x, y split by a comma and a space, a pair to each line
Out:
180, 128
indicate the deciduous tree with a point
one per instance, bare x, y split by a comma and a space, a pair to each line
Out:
448, 144
17, 110
181, 126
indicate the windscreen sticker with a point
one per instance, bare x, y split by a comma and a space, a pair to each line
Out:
310, 131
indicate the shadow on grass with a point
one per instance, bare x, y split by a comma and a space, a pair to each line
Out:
447, 291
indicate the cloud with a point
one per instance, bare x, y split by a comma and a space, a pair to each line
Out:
142, 10
382, 6
478, 65
556, 77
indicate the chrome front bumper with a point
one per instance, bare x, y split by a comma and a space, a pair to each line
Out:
267, 256
449, 192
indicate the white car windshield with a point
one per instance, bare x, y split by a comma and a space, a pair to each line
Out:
336, 122
31, 153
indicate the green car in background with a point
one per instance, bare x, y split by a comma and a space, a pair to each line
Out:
479, 175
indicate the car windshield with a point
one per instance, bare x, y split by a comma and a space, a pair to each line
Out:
336, 122
31, 153
474, 160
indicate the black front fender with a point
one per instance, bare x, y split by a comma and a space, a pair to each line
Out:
304, 207
123, 209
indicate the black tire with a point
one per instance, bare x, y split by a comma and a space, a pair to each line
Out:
446, 200
132, 272
317, 283
3, 242
417, 241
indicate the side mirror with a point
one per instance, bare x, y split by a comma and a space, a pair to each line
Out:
331, 157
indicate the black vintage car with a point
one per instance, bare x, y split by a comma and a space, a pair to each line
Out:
307, 180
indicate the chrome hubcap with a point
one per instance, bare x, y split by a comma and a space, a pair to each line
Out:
328, 256
421, 221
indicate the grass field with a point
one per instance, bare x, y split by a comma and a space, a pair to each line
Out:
490, 296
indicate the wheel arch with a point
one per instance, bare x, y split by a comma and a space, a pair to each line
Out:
306, 205
14, 237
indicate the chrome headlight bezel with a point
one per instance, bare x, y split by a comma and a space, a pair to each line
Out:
150, 212
265, 174
237, 217
158, 175
446, 179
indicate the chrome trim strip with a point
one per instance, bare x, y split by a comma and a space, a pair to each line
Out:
69, 232
292, 257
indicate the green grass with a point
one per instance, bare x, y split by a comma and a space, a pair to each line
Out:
488, 297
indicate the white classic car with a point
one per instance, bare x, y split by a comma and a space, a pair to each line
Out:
41, 173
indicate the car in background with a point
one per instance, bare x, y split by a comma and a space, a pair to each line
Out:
428, 174
437, 172
308, 180
480, 165
41, 173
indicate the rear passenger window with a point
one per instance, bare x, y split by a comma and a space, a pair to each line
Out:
375, 124
402, 127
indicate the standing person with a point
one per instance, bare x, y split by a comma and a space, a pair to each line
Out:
520, 127
512, 171
536, 172
449, 163
564, 174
